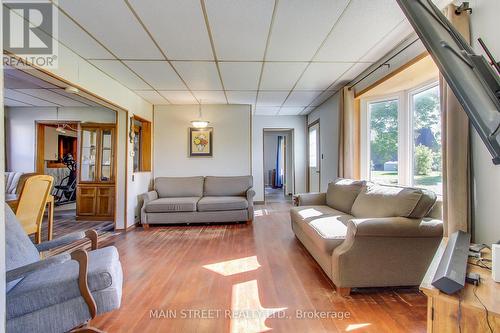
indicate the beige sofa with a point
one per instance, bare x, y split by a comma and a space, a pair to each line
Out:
198, 200
368, 235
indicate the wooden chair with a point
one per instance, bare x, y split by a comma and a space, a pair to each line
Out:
32, 203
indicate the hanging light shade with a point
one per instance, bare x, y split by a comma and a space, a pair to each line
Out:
199, 123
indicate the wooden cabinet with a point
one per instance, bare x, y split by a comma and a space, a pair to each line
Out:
465, 310
96, 178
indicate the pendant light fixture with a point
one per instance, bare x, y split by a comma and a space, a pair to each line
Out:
59, 129
199, 123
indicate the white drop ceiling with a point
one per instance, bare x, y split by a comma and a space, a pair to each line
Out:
22, 89
281, 56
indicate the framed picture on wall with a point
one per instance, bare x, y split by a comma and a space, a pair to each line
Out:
200, 142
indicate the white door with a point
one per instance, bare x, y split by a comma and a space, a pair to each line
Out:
314, 158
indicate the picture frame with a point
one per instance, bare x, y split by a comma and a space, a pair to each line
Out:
200, 142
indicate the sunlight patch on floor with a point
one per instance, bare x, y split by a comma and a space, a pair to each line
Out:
236, 266
261, 212
353, 327
248, 315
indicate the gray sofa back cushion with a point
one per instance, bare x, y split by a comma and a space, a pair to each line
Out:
19, 250
386, 201
170, 187
227, 186
342, 193
424, 205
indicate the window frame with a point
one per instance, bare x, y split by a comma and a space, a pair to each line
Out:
406, 133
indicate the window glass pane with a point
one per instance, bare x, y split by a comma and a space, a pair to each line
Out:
137, 149
312, 149
427, 140
384, 141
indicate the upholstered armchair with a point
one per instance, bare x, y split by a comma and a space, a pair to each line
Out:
60, 293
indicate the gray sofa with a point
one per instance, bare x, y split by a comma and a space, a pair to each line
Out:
198, 200
369, 235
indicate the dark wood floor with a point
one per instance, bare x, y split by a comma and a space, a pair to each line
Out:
251, 270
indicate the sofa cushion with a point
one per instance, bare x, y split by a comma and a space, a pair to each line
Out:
59, 283
342, 193
210, 204
306, 212
424, 205
385, 201
326, 231
172, 187
227, 186
167, 205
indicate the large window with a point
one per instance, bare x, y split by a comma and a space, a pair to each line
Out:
401, 139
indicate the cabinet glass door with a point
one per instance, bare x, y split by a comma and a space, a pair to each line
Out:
106, 155
89, 153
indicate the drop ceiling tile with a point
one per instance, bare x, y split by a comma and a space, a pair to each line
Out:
350, 75
240, 27
210, 97
199, 75
318, 76
271, 98
241, 97
20, 97
281, 75
266, 110
389, 42
79, 41
290, 111
301, 98
178, 97
75, 97
152, 97
158, 74
114, 25
323, 97
121, 73
304, 23
240, 75
13, 103
24, 80
169, 20
51, 96
363, 25
307, 110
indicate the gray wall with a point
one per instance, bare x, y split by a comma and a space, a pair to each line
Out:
486, 177
328, 115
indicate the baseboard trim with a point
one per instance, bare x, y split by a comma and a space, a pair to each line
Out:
259, 202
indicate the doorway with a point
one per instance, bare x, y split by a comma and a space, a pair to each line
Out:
313, 157
278, 167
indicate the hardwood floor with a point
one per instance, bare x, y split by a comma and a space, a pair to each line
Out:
253, 270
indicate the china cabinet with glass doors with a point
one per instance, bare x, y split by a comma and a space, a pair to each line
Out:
96, 179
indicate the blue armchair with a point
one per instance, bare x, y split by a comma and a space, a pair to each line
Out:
63, 292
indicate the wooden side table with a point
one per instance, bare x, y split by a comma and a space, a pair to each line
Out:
443, 309
13, 201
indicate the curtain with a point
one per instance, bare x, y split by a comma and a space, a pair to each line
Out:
348, 160
279, 163
456, 162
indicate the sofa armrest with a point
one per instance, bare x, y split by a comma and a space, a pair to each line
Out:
310, 199
250, 194
400, 227
147, 197
91, 234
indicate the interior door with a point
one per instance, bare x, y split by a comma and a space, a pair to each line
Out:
314, 158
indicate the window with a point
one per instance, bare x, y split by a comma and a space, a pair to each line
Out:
141, 141
313, 158
426, 143
383, 136
401, 139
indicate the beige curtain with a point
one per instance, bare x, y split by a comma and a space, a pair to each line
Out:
348, 166
456, 147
